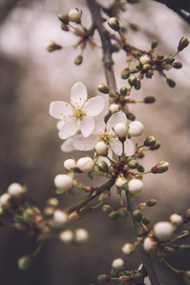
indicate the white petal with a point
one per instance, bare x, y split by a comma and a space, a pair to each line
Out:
87, 126
116, 146
68, 145
69, 129
85, 144
78, 94
60, 124
99, 125
60, 110
130, 148
94, 106
116, 118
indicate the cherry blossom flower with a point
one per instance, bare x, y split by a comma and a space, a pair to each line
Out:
104, 132
79, 115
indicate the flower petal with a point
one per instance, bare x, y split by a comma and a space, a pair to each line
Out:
118, 117
87, 126
99, 125
116, 146
85, 144
60, 110
67, 145
78, 94
69, 129
94, 106
130, 148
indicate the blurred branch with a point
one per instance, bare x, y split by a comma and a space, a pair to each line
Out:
181, 7
6, 6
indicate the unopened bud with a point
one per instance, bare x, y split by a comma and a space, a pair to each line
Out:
104, 278
85, 164
163, 230
81, 235
149, 100
137, 215
149, 244
151, 202
101, 148
160, 167
154, 44
25, 262
155, 146
135, 186
107, 209
102, 165
63, 182
66, 236
120, 130
176, 219
5, 200
128, 248
132, 80
103, 88
183, 43
52, 46
114, 24
114, 215
125, 73
177, 65
118, 264
114, 108
123, 212
123, 91
144, 59
78, 60
150, 141
171, 82
137, 85
63, 18
135, 128
120, 182
70, 164
75, 15
133, 163
64, 27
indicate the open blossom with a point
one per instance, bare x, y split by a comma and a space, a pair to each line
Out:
79, 115
105, 132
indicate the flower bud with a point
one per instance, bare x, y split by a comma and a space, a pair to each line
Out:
63, 18
132, 80
176, 219
25, 262
183, 43
52, 46
123, 91
107, 209
78, 60
137, 216
123, 212
177, 65
135, 128
70, 164
155, 146
101, 148
120, 130
104, 278
149, 100
63, 182
146, 67
151, 202
81, 236
103, 88
149, 244
133, 163
114, 215
114, 24
102, 165
160, 167
171, 82
154, 44
16, 190
75, 15
5, 200
163, 230
144, 59
64, 27
85, 164
66, 236
114, 108
59, 218
149, 141
128, 248
120, 181
125, 73
118, 264
135, 186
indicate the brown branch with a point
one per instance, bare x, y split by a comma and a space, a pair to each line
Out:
106, 44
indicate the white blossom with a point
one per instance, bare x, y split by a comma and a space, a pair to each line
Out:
5, 200
59, 218
101, 148
75, 15
66, 236
81, 235
144, 59
176, 219
79, 115
85, 164
16, 189
135, 128
104, 132
135, 186
114, 108
120, 130
69, 164
163, 230
149, 244
128, 248
120, 181
118, 263
63, 181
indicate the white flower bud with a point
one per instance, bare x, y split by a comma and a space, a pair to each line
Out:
59, 218
66, 236
81, 235
118, 263
74, 15
101, 148
135, 128
114, 108
176, 219
144, 59
128, 248
16, 189
135, 186
85, 164
63, 181
120, 130
69, 164
149, 244
120, 181
163, 230
5, 200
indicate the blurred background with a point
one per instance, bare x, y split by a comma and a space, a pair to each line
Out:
30, 78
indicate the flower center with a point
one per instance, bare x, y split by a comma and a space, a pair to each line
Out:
105, 137
78, 113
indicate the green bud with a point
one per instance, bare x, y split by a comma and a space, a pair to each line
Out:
123, 212
146, 221
64, 27
138, 277
114, 215
151, 202
63, 18
154, 44
171, 82
78, 60
149, 74
160, 57
183, 43
102, 165
140, 168
114, 24
133, 163
53, 47
125, 73
52, 202
103, 88
25, 262
107, 209
131, 116
115, 47
137, 216
112, 94
177, 65
149, 100
103, 278
146, 67
123, 91
170, 59
160, 167
137, 85
132, 80
150, 141
156, 146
